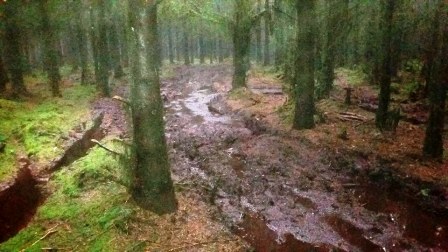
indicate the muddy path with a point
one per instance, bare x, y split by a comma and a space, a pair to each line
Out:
279, 191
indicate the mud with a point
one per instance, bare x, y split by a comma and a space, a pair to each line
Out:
278, 190
19, 202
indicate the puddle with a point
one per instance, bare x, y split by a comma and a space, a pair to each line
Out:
196, 103
428, 228
18, 203
351, 233
257, 233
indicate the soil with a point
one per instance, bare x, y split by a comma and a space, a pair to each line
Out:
285, 190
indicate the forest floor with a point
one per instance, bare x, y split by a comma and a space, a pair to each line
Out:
244, 179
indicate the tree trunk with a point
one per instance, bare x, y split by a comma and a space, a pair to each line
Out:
115, 49
12, 53
388, 7
241, 42
304, 79
438, 83
3, 77
258, 50
152, 187
186, 48
94, 43
50, 52
81, 41
201, 49
103, 52
267, 24
170, 44
278, 35
329, 50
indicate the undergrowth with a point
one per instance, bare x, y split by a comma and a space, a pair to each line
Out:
35, 128
87, 211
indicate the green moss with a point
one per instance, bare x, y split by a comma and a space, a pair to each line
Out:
35, 129
354, 77
87, 209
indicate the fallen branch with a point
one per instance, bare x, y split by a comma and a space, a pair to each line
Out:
50, 232
105, 147
347, 116
121, 99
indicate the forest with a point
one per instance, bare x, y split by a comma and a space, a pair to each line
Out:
223, 125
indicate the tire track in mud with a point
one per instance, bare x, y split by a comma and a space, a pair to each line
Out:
278, 192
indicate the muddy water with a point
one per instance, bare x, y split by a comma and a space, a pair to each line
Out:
275, 191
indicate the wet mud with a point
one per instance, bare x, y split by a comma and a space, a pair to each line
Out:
277, 190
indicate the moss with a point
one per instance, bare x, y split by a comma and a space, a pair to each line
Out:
88, 211
355, 77
34, 129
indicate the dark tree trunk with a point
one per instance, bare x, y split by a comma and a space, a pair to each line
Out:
186, 48
279, 36
94, 43
115, 49
3, 77
304, 79
329, 50
11, 42
152, 187
388, 7
258, 50
211, 49
241, 42
220, 50
201, 49
438, 84
103, 51
81, 40
50, 52
267, 24
170, 44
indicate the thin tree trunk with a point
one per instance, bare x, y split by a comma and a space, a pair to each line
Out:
94, 43
50, 53
170, 44
186, 48
267, 23
329, 49
81, 41
258, 50
304, 79
103, 51
3, 76
13, 55
201, 49
388, 7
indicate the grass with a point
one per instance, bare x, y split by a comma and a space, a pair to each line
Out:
87, 211
355, 77
34, 128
